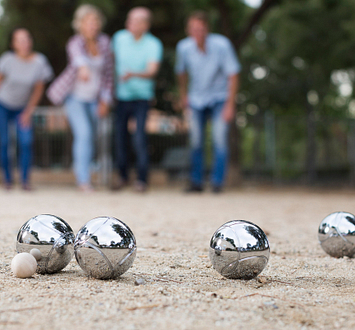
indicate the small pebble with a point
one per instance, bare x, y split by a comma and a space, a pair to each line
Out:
37, 254
139, 281
24, 265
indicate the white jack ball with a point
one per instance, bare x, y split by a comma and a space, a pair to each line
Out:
37, 254
24, 265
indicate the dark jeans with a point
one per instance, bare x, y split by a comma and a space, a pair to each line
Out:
124, 111
24, 136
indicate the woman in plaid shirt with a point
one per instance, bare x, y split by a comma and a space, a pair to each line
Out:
85, 86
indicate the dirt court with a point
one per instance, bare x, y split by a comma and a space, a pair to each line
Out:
301, 288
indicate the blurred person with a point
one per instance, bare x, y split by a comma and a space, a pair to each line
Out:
85, 87
137, 56
207, 69
23, 74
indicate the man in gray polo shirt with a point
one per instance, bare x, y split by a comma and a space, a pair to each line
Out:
207, 69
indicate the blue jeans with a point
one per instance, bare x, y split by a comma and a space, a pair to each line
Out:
138, 110
220, 129
82, 118
25, 138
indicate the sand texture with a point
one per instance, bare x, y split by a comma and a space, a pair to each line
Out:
171, 284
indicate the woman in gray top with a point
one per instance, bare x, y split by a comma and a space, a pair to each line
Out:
23, 74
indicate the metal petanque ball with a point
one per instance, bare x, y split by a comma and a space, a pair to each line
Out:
336, 234
239, 250
105, 248
51, 238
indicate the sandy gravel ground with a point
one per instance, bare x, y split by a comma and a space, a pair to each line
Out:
301, 288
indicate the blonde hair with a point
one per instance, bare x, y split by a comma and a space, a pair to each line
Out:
84, 10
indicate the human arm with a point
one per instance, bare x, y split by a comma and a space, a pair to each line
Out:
35, 98
149, 73
231, 68
181, 70
107, 81
182, 84
154, 57
77, 57
4, 66
230, 105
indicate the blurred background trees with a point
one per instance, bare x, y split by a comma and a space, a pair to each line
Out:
296, 102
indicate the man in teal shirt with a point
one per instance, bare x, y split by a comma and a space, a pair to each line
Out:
137, 56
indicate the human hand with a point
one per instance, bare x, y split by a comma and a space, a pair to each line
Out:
103, 109
127, 76
228, 112
25, 118
84, 73
184, 102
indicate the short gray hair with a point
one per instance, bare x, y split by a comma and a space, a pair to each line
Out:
84, 10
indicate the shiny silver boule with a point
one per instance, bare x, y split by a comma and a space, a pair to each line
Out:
336, 234
239, 250
105, 248
52, 236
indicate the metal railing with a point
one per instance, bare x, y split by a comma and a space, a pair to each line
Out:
271, 147
53, 140
278, 147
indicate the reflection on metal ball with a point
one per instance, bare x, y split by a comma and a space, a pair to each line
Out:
336, 234
239, 250
54, 239
105, 248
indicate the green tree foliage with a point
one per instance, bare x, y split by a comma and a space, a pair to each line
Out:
297, 62
290, 59
48, 21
